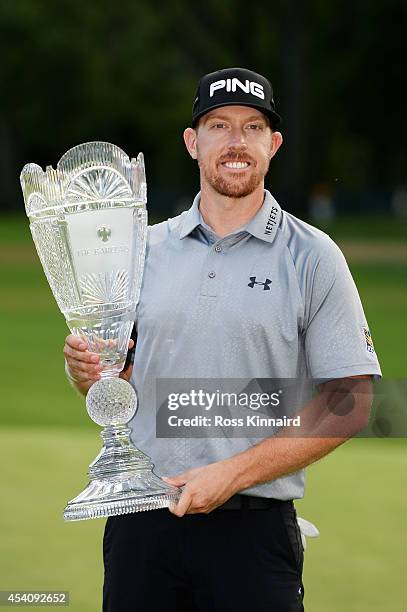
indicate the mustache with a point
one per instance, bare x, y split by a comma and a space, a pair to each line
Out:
237, 157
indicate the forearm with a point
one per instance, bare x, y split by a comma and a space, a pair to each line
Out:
276, 457
340, 411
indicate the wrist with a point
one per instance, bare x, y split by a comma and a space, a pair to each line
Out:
244, 468
235, 467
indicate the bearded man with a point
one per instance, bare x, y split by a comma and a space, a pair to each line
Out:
233, 288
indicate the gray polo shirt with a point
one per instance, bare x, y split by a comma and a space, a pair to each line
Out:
274, 299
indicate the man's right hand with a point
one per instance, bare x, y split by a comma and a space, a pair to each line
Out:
84, 367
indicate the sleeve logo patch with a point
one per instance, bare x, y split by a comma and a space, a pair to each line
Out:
368, 338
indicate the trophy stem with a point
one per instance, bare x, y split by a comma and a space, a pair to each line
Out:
109, 373
122, 481
118, 454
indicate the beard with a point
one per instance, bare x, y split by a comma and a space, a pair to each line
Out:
236, 186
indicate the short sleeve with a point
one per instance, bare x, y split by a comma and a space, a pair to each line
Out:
338, 342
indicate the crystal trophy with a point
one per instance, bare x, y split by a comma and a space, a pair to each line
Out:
88, 219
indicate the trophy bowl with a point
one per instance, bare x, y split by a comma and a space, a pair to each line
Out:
88, 220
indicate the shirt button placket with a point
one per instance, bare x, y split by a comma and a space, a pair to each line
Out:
217, 249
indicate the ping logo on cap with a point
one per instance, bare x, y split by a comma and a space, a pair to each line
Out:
231, 84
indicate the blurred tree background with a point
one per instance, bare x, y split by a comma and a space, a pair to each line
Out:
73, 71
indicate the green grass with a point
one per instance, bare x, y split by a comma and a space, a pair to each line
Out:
41, 471
383, 290
363, 227
357, 496
34, 390
14, 228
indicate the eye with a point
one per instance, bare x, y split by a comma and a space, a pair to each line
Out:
219, 126
255, 126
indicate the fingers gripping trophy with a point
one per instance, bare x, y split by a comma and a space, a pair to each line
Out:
88, 219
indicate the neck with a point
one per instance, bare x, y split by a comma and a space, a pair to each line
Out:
225, 215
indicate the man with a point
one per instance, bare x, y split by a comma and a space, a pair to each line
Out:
233, 288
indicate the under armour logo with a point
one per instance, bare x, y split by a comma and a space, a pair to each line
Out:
104, 233
266, 284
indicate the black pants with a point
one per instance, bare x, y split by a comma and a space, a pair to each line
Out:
226, 561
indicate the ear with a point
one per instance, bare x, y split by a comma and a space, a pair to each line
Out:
276, 142
190, 142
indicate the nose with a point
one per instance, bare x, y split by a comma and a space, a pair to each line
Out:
237, 138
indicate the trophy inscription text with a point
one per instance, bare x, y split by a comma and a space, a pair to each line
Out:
103, 250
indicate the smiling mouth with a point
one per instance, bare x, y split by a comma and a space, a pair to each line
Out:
236, 165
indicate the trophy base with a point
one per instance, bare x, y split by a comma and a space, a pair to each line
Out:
122, 481
81, 510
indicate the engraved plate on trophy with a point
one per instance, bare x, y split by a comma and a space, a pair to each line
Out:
88, 220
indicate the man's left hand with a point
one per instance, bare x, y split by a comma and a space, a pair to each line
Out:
204, 488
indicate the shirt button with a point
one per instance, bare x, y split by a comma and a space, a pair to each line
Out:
218, 248
211, 274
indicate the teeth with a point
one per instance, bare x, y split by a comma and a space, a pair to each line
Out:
236, 165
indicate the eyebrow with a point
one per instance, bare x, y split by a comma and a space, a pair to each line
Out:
224, 118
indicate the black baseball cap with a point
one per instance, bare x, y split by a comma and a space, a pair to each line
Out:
234, 86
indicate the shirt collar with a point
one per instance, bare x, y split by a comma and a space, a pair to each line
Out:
192, 218
263, 225
266, 222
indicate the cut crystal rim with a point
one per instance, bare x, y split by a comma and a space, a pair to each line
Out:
53, 189
93, 510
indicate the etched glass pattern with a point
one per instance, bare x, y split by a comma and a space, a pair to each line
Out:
111, 402
89, 222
